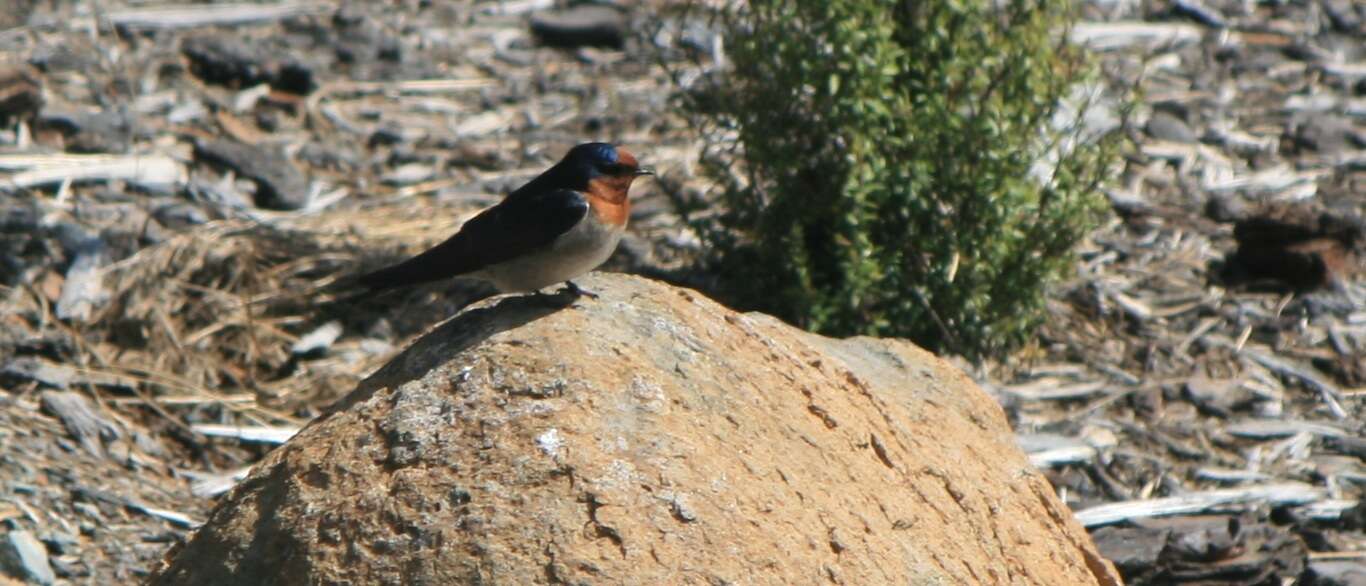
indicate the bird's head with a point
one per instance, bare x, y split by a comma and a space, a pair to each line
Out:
601, 167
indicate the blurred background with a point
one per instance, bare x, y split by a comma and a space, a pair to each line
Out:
1137, 223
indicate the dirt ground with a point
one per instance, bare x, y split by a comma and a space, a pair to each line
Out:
177, 181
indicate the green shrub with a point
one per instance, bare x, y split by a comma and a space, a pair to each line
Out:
884, 166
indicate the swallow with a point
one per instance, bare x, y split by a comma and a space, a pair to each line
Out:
560, 225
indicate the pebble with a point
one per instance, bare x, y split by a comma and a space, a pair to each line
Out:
1164, 126
22, 555
1329, 134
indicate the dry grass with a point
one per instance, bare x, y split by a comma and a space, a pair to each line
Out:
195, 321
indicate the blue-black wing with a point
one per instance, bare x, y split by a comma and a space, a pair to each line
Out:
524, 222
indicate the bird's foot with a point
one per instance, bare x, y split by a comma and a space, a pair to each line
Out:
572, 289
556, 300
564, 296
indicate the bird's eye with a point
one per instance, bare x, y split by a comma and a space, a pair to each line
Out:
610, 168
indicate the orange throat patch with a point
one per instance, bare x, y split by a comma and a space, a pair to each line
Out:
608, 198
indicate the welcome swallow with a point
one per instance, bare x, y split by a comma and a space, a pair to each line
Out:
562, 224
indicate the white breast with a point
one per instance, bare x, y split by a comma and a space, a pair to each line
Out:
583, 248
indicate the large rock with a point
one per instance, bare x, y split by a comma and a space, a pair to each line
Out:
649, 436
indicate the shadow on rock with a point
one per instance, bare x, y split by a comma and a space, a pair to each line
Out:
453, 337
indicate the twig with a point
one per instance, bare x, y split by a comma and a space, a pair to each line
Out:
180, 519
262, 434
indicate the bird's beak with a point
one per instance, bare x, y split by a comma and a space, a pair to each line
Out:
644, 171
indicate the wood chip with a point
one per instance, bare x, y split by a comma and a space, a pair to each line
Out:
1264, 429
1062, 456
1331, 395
1286, 493
83, 290
177, 17
81, 419
1051, 390
1327, 510
1226, 475
153, 172
1106, 36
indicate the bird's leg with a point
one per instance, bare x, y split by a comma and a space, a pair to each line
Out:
572, 289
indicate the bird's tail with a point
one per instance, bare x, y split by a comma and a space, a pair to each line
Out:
434, 264
342, 290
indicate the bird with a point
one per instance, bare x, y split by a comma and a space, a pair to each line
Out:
560, 225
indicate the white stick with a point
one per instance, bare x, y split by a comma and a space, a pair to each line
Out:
265, 435
147, 170
1288, 493
173, 17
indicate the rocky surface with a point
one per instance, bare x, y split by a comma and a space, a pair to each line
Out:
152, 266
647, 436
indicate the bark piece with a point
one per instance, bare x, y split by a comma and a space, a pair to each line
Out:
582, 26
1299, 246
81, 419
21, 93
279, 184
